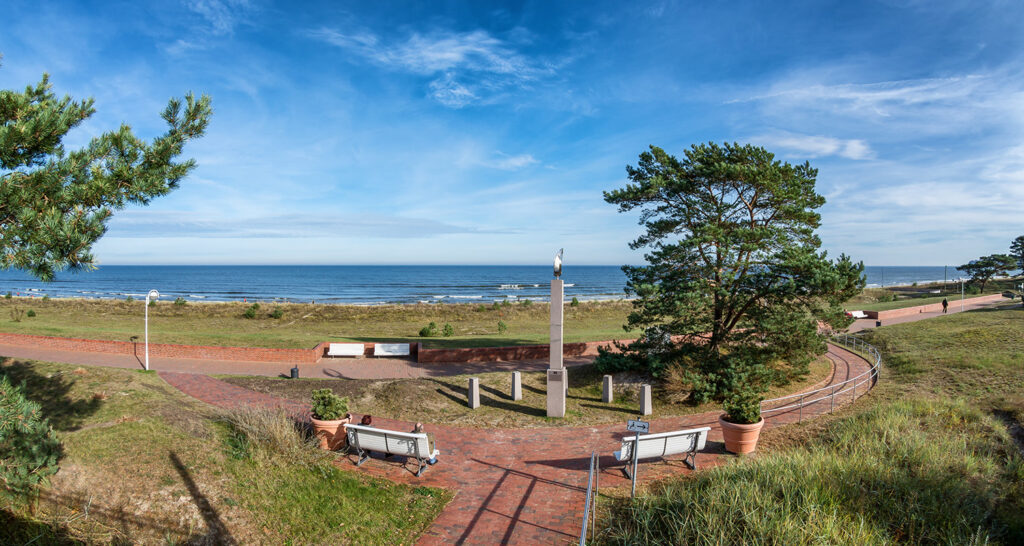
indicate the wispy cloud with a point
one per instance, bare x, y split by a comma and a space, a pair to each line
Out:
222, 15
812, 146
465, 67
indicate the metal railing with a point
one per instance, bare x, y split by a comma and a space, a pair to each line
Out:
590, 508
864, 380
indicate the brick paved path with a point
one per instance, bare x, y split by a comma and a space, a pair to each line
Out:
520, 486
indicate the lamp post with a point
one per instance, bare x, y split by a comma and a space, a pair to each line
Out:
558, 380
961, 294
154, 295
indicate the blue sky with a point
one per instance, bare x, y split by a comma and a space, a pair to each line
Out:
484, 133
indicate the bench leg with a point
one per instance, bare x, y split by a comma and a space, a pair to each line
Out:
423, 467
625, 469
691, 460
363, 456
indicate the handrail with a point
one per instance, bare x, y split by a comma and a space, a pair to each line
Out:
592, 490
850, 385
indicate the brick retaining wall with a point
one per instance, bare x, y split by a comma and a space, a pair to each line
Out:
930, 308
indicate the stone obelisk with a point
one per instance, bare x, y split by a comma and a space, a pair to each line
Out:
558, 380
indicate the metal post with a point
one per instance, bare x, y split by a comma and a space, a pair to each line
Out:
147, 332
832, 400
636, 449
801, 418
961, 294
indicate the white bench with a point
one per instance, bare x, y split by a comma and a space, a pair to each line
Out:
346, 349
391, 349
409, 444
858, 314
664, 444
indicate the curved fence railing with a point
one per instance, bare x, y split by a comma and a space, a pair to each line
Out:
829, 394
590, 508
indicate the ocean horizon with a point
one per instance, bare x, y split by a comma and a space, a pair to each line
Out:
369, 284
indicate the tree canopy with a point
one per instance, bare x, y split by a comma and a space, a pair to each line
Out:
735, 286
54, 203
1017, 251
984, 268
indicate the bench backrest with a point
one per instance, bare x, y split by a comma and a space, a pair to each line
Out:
391, 349
666, 443
388, 441
346, 349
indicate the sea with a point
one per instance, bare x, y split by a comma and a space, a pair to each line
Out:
366, 284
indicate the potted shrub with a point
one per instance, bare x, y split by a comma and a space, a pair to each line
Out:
329, 416
741, 423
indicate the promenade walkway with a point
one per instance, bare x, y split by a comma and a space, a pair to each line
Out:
520, 486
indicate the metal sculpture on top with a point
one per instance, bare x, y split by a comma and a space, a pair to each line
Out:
558, 263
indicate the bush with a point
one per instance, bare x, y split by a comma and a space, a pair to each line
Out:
129, 299
8, 296
250, 312
328, 406
29, 450
30, 313
16, 314
46, 297
496, 305
575, 302
505, 303
429, 330
180, 302
448, 330
271, 436
502, 327
277, 313
526, 303
152, 303
972, 290
743, 408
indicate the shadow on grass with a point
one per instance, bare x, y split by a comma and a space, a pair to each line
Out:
51, 393
15, 529
217, 532
460, 395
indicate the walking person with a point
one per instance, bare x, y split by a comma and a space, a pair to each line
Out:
945, 305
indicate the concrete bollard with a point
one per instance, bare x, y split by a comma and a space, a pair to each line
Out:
646, 405
474, 392
517, 386
607, 396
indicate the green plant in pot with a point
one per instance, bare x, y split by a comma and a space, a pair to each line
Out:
741, 423
329, 417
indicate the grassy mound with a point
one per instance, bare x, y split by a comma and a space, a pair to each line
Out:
915, 471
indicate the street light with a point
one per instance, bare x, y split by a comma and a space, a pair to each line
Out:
155, 295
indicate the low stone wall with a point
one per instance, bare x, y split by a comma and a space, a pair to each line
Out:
138, 348
930, 308
497, 354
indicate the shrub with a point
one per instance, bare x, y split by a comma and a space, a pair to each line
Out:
481, 308
152, 303
328, 406
271, 436
496, 305
505, 303
743, 407
30, 313
429, 330
575, 302
180, 302
129, 299
46, 297
29, 450
526, 303
8, 296
250, 312
16, 314
448, 330
277, 313
502, 327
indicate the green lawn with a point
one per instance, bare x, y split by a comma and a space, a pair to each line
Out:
912, 302
305, 325
146, 464
929, 457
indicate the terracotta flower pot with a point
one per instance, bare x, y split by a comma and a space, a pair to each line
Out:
740, 438
331, 433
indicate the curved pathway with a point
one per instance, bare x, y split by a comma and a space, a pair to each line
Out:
522, 486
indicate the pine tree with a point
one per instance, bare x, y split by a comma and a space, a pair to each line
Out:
735, 285
1017, 251
29, 451
54, 204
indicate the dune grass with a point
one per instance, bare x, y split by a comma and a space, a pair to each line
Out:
146, 464
928, 457
305, 325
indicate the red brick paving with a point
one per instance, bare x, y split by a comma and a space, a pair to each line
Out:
519, 486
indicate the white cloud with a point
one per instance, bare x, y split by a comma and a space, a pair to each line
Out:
464, 66
817, 145
223, 15
511, 163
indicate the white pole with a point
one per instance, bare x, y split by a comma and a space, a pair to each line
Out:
152, 294
961, 294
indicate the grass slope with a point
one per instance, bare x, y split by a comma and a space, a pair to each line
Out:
928, 457
144, 463
305, 325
